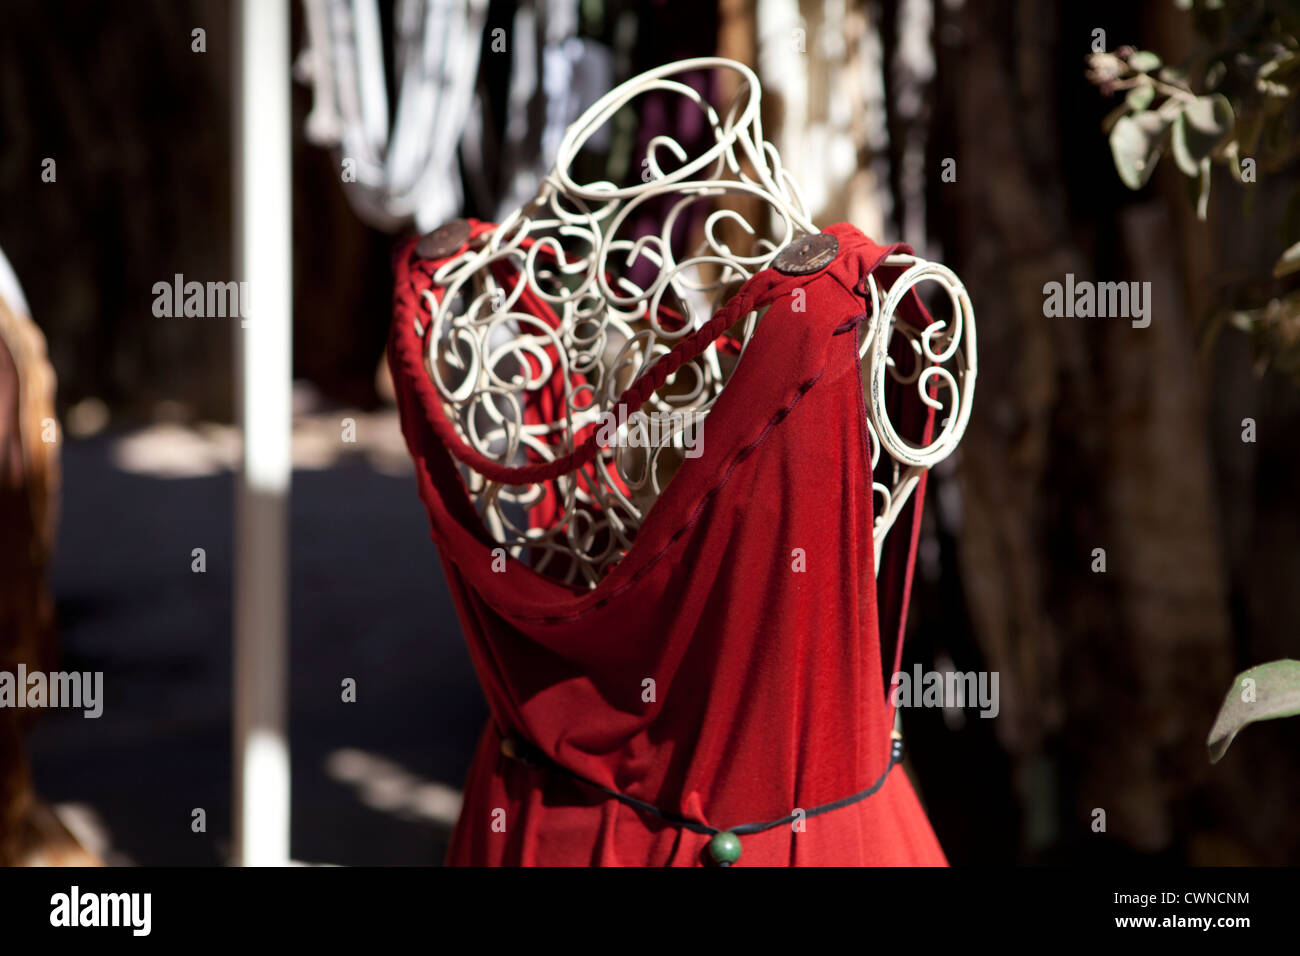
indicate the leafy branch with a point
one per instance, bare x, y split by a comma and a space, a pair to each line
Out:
1160, 112
1231, 103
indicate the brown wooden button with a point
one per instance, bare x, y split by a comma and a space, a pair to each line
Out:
443, 241
807, 254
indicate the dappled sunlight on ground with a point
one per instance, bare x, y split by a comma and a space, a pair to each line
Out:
375, 781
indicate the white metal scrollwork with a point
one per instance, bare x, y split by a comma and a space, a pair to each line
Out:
612, 295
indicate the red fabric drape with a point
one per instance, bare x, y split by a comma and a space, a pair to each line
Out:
767, 680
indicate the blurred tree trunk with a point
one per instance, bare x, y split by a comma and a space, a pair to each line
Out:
139, 126
1087, 434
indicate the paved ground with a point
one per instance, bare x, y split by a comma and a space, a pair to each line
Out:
374, 782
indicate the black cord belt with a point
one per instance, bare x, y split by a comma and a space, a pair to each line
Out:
725, 845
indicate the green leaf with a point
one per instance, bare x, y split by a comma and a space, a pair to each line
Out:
1144, 61
1140, 97
1232, 153
1111, 118
1199, 126
1136, 143
1203, 191
1184, 159
1210, 116
1288, 263
1273, 691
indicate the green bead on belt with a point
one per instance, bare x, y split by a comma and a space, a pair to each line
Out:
725, 848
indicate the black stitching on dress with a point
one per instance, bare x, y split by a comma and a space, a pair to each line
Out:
694, 517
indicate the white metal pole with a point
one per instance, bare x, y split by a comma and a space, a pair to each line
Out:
264, 257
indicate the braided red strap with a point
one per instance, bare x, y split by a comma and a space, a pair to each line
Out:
410, 285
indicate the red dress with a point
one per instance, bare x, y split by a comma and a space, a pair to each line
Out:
769, 693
